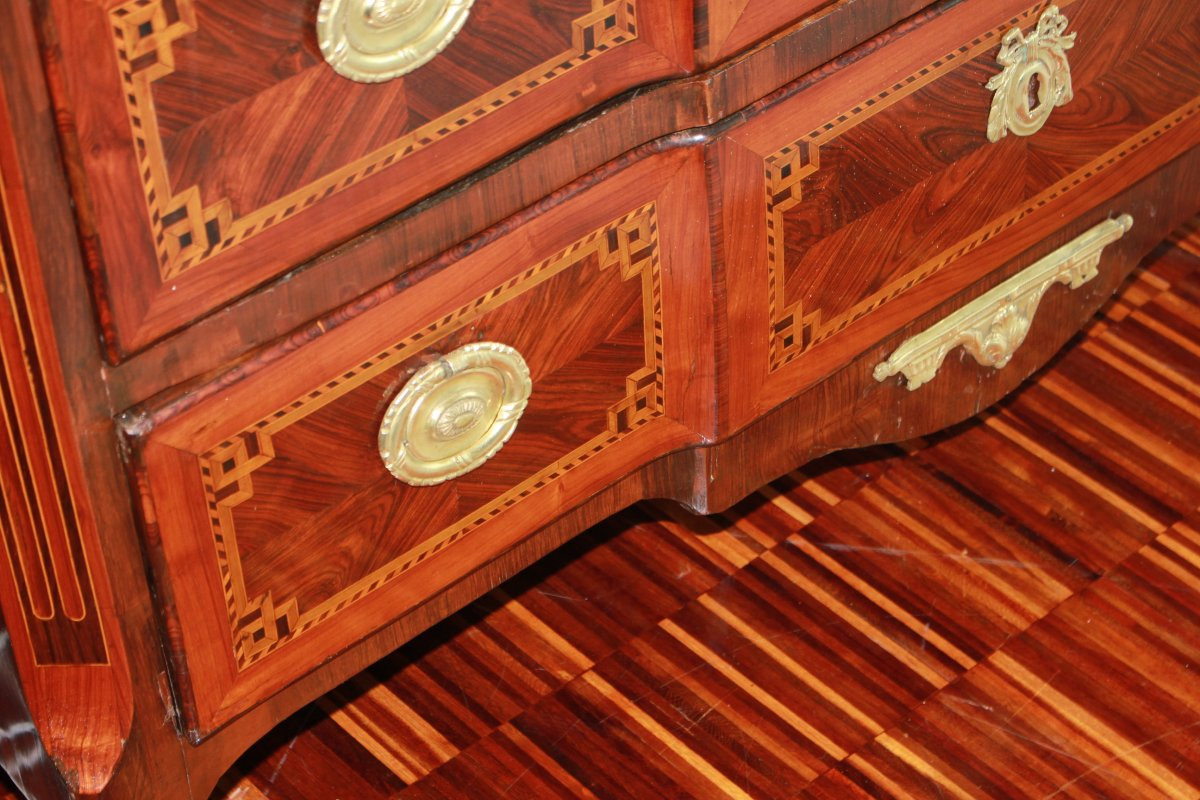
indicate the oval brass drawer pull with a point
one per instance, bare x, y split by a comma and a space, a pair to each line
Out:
376, 40
454, 414
1036, 77
991, 327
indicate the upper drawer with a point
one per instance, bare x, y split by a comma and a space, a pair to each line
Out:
219, 148
866, 196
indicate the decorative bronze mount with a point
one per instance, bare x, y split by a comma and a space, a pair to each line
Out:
1036, 78
991, 327
454, 414
370, 41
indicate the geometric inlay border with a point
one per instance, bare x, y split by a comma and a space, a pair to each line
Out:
794, 328
186, 232
787, 343
261, 624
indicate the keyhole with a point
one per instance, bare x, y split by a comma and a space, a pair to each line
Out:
1035, 95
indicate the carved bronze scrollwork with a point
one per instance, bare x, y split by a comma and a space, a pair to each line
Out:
991, 327
376, 40
1036, 78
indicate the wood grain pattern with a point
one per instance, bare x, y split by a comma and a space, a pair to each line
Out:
65, 492
92, 133
726, 28
733, 467
555, 166
313, 467
42, 528
245, 487
56, 634
912, 161
300, 583
183, 230
1006, 610
182, 127
862, 183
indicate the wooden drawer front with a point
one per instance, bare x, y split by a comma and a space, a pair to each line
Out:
220, 149
875, 193
284, 538
861, 404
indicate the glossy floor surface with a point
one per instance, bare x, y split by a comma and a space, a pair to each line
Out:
1010, 609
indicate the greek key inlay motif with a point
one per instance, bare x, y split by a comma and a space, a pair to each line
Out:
796, 326
260, 624
187, 231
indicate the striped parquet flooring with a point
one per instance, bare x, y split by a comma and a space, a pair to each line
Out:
1009, 609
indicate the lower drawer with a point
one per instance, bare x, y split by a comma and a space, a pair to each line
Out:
971, 347
862, 197
423, 433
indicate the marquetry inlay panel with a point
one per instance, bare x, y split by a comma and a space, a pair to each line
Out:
187, 229
806, 304
42, 518
795, 327
626, 249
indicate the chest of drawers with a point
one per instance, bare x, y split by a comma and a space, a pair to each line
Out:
322, 319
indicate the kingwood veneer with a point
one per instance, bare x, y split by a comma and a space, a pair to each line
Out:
237, 275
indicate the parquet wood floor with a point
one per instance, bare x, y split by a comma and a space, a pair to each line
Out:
1009, 609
